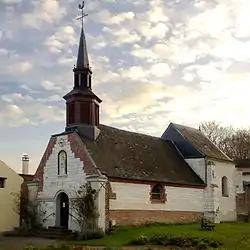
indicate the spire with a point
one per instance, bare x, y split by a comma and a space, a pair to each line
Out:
82, 71
82, 105
82, 57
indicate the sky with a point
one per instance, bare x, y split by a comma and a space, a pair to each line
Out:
153, 61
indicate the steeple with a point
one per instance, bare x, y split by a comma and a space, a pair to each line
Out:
82, 104
82, 71
82, 58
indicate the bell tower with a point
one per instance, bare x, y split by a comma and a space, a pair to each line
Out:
82, 105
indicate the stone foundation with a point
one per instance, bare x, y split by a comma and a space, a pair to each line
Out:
129, 217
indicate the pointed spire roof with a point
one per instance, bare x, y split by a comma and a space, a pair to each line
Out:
82, 57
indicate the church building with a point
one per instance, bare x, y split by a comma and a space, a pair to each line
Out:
178, 177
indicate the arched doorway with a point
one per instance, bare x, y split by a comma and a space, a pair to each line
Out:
62, 210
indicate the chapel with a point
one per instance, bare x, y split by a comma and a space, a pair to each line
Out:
180, 176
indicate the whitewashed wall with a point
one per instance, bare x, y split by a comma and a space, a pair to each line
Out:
136, 196
198, 166
205, 173
227, 205
239, 178
54, 184
213, 198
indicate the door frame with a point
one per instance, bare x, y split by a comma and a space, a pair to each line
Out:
62, 206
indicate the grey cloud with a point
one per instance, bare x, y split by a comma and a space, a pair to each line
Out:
239, 68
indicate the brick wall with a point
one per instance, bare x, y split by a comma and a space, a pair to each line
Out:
128, 217
24, 193
107, 196
40, 170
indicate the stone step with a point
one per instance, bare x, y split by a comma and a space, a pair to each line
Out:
51, 236
53, 233
59, 229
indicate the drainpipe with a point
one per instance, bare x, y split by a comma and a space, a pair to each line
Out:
206, 163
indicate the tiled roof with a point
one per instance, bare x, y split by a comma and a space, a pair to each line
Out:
124, 154
201, 142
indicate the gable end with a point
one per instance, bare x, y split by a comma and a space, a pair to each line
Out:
185, 147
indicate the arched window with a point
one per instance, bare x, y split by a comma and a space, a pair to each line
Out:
158, 193
224, 186
62, 163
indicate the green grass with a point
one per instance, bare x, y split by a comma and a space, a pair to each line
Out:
232, 235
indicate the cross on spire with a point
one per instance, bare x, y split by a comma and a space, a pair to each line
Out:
81, 7
82, 57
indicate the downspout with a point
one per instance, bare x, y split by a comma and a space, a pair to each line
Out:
206, 163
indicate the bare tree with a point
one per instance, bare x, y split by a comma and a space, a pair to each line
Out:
233, 142
241, 144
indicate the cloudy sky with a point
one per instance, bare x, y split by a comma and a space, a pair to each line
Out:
154, 61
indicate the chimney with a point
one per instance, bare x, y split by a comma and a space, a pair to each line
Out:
25, 164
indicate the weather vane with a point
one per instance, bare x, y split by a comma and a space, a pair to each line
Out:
81, 7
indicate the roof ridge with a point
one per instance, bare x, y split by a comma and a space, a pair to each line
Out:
131, 132
186, 126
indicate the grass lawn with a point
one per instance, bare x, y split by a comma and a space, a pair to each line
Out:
233, 235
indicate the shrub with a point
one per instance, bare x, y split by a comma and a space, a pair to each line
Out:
177, 241
72, 236
86, 235
202, 245
94, 234
141, 240
161, 223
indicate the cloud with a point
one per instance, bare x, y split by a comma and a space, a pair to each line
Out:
108, 18
11, 1
122, 36
153, 61
48, 85
24, 67
12, 115
62, 40
48, 11
18, 109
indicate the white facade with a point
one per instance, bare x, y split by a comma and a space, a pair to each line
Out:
54, 185
227, 205
198, 166
131, 196
217, 206
137, 197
